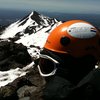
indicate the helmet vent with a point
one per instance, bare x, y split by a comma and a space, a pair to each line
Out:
65, 41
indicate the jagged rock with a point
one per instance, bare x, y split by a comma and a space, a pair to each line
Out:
38, 84
26, 91
13, 55
8, 93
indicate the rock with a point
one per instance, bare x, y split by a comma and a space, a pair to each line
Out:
13, 55
26, 91
25, 98
8, 93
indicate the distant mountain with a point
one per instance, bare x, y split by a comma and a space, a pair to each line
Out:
31, 31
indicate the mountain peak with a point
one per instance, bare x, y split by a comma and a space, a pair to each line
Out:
32, 23
34, 13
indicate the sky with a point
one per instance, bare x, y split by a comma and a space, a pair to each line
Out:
66, 6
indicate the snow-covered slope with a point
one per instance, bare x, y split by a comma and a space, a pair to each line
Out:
32, 31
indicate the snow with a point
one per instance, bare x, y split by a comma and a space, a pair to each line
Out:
13, 29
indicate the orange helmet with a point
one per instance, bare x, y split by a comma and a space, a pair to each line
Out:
75, 37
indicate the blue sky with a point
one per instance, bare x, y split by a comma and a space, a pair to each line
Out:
66, 6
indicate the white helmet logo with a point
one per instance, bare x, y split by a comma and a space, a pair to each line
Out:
81, 30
